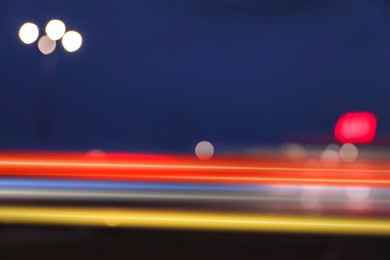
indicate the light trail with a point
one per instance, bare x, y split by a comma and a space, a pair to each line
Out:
191, 171
192, 220
23, 183
214, 179
137, 166
139, 196
31, 194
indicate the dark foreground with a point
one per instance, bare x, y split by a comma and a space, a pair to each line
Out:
42, 242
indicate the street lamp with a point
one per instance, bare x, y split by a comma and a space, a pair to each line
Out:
71, 41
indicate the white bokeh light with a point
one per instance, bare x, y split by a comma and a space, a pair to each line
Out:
295, 152
46, 45
331, 154
332, 147
96, 153
72, 41
204, 150
28, 33
55, 29
330, 157
349, 153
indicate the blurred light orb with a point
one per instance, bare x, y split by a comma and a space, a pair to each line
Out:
330, 157
333, 147
96, 153
28, 33
112, 222
349, 153
72, 41
204, 150
55, 29
46, 45
295, 152
356, 127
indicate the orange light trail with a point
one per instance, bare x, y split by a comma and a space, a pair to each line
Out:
181, 169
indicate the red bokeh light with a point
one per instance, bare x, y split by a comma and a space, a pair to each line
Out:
356, 127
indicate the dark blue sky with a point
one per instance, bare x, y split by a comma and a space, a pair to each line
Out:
159, 76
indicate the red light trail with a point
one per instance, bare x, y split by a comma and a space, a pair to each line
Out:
181, 169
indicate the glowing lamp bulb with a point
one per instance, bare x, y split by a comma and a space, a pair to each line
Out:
72, 41
55, 29
356, 127
28, 33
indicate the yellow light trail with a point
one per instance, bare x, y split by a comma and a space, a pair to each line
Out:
133, 218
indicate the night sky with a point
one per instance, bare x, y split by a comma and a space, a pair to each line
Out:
159, 76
